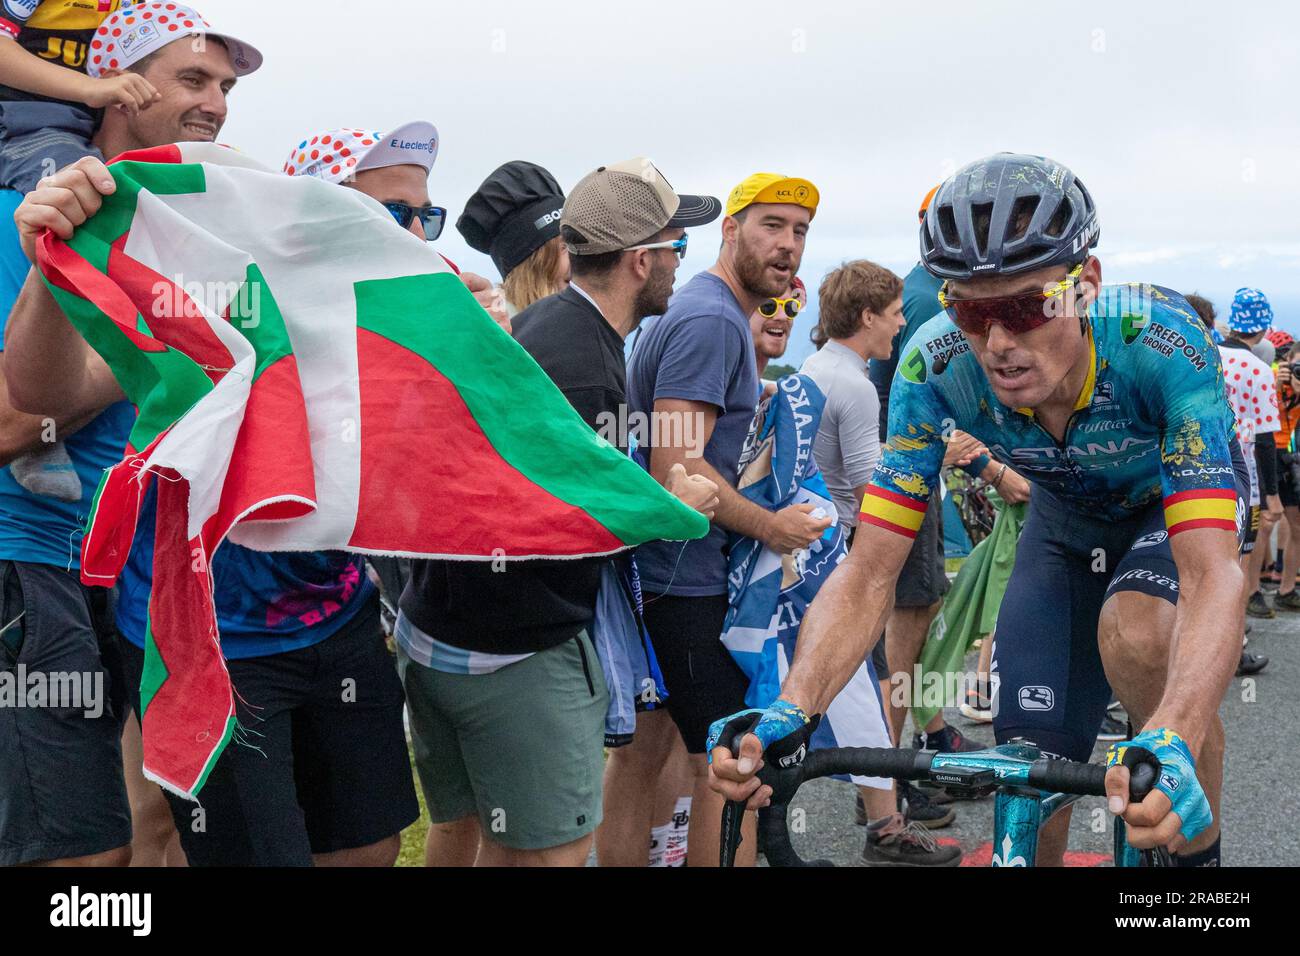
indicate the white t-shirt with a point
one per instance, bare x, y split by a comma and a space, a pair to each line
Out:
847, 445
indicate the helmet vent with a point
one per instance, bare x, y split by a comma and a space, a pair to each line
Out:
1022, 214
948, 227
981, 215
1060, 219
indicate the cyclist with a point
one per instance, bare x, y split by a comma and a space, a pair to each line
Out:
1110, 401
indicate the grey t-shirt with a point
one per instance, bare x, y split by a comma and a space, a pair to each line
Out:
847, 445
700, 350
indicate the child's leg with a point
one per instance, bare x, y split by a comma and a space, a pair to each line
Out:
37, 139
49, 472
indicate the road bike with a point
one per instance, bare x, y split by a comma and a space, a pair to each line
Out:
1030, 789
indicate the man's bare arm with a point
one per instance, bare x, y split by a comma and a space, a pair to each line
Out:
786, 530
21, 432
48, 367
1207, 641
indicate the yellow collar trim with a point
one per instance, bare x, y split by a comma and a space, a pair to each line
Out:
1089, 383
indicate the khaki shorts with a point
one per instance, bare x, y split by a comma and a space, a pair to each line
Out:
521, 747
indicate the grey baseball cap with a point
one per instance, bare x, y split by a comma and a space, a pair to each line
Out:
626, 203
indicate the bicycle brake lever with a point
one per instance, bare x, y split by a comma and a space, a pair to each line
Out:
733, 811
1144, 773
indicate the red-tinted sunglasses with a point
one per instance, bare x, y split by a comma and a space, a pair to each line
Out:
1016, 313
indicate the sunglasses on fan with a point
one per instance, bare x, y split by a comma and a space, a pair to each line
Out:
791, 307
432, 218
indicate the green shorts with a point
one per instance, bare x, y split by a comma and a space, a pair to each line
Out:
521, 747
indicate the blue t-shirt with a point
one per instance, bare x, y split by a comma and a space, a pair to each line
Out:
34, 528
267, 602
700, 350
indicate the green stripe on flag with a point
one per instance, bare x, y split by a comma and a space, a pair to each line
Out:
154, 672
163, 385
435, 317
114, 218
266, 331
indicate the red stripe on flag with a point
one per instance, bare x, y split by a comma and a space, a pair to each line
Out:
67, 270
111, 527
172, 316
187, 720
271, 460
428, 473
896, 498
1201, 494
1220, 523
170, 153
865, 518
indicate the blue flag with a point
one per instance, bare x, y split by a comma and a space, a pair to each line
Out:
768, 592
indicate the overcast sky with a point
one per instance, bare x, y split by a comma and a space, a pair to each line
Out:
1179, 116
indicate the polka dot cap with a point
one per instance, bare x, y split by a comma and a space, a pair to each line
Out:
331, 156
135, 30
336, 154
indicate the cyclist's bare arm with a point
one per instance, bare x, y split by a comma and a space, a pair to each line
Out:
834, 637
1207, 642
833, 640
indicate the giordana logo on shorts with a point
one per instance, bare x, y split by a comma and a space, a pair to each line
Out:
1150, 540
794, 759
1037, 697
77, 909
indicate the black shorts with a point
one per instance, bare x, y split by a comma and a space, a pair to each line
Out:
319, 762
1287, 491
1251, 531
1050, 684
703, 682
62, 793
923, 580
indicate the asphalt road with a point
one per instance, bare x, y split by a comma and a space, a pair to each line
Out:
1261, 807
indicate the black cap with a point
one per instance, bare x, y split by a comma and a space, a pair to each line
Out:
694, 211
514, 212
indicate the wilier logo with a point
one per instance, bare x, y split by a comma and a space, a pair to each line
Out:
1131, 327
913, 367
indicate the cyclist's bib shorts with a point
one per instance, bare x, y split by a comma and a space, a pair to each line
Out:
1052, 689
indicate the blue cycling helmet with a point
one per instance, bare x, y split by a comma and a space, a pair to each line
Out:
1005, 214
1250, 313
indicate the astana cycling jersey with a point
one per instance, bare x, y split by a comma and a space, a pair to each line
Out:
1150, 423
